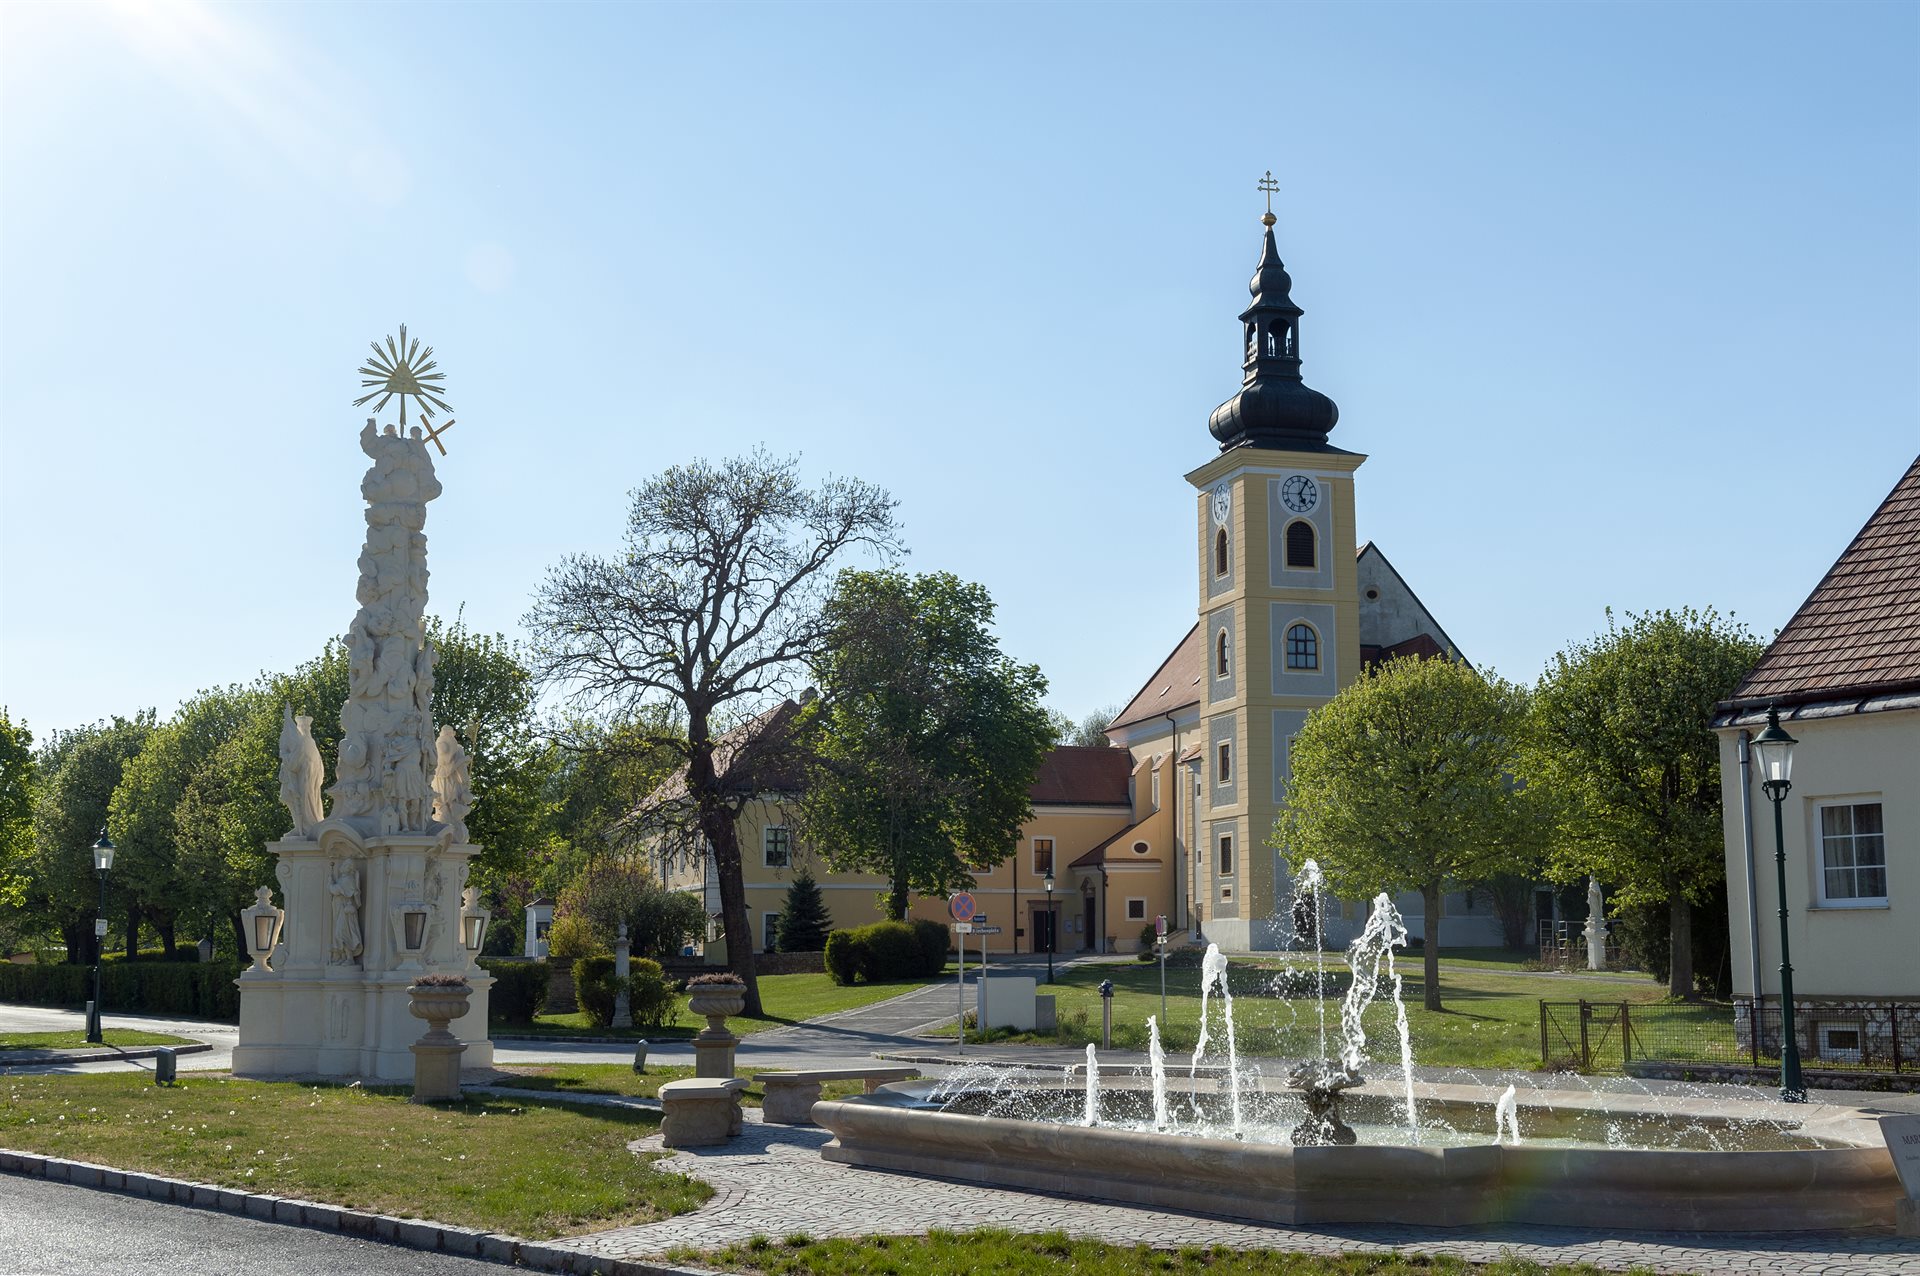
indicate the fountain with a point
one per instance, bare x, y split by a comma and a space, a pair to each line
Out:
1337, 1141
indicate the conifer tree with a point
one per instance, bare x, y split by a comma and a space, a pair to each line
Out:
804, 922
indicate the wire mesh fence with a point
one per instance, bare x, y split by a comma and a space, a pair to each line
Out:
1608, 1036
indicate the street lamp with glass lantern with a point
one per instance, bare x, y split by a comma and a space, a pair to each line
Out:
1774, 749
1053, 928
102, 862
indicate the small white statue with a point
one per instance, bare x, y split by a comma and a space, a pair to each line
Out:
301, 772
452, 784
1596, 930
423, 662
407, 794
343, 890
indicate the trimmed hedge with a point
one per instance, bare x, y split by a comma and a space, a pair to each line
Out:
519, 989
190, 989
887, 952
650, 998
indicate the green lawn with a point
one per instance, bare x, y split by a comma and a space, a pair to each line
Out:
503, 1165
78, 1039
1491, 1017
941, 1253
620, 1078
785, 999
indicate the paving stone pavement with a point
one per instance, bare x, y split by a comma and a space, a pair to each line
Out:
771, 1181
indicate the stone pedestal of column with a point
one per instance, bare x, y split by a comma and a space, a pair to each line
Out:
622, 971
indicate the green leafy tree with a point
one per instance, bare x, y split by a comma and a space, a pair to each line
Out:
1091, 731
926, 736
1624, 747
610, 891
17, 780
804, 921
1405, 781
708, 614
143, 815
82, 769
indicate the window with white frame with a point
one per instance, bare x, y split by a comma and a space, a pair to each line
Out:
779, 845
1853, 854
1226, 855
1136, 910
1043, 857
1223, 771
769, 932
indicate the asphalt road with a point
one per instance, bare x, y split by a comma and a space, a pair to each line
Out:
57, 1228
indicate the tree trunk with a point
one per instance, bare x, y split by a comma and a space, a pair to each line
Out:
77, 936
717, 825
239, 934
165, 925
1430, 943
1680, 952
897, 891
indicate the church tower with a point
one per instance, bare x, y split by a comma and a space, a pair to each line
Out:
1279, 607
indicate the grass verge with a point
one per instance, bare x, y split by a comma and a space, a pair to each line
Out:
784, 1000
620, 1078
1491, 1017
77, 1039
942, 1253
531, 1169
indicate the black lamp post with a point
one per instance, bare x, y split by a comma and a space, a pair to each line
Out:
102, 861
1774, 748
1053, 928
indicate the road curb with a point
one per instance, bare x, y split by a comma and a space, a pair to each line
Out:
408, 1233
16, 1058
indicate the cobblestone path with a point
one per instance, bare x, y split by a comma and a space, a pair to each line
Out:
771, 1181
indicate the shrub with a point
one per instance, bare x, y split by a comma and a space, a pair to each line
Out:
717, 979
610, 891
442, 979
650, 998
519, 989
571, 938
179, 952
843, 957
887, 951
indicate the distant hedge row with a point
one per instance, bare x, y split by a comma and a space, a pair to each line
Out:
193, 990
886, 952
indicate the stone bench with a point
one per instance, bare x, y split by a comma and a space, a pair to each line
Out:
700, 1111
790, 1096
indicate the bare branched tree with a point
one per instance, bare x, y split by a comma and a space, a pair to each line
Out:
711, 611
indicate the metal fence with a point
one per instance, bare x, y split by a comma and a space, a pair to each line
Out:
1607, 1036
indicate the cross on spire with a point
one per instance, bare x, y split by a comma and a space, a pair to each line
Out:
1269, 186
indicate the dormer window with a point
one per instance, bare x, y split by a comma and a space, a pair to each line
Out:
1220, 552
1303, 548
1222, 658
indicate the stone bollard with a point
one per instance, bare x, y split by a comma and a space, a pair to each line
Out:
438, 999
622, 971
713, 1046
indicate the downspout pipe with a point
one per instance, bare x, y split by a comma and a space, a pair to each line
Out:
1174, 779
1746, 839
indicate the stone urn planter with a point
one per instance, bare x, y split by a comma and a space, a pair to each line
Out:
438, 999
716, 998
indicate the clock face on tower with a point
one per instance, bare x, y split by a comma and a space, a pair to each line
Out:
1300, 494
1222, 503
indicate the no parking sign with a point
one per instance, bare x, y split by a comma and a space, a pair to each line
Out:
962, 906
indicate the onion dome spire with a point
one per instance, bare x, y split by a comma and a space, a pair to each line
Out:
1274, 408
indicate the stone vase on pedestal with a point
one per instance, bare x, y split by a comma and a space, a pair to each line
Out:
436, 1056
713, 1047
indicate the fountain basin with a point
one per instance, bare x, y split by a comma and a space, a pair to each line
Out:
1843, 1178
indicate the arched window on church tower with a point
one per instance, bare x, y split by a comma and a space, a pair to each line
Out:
1220, 552
1221, 658
1303, 546
1303, 647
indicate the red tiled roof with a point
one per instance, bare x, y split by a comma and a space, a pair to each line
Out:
1074, 775
749, 759
1860, 627
1174, 685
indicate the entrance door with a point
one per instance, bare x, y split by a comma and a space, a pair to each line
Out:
1043, 929
1093, 927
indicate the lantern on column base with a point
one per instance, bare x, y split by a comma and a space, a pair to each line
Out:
410, 933
474, 921
263, 923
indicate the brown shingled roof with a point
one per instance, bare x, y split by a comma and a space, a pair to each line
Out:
1174, 685
1859, 629
1075, 775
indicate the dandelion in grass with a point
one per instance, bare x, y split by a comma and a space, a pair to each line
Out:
403, 370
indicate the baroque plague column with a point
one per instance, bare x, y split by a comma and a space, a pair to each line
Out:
374, 889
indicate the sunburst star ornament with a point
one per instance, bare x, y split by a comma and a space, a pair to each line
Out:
404, 369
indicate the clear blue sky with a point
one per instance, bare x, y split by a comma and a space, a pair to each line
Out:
1623, 301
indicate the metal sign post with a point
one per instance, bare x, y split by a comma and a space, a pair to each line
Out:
1160, 943
962, 906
